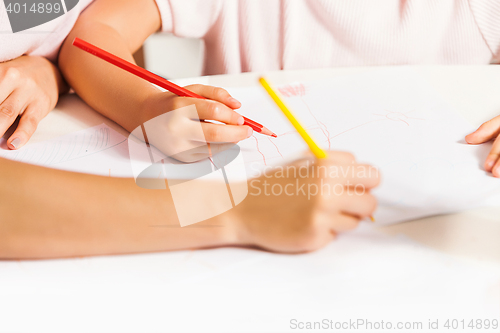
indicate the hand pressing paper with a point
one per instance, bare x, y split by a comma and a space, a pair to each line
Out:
388, 118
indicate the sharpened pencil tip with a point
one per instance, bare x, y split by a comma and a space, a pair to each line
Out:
274, 135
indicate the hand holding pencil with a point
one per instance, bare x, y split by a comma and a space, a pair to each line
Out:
179, 135
319, 153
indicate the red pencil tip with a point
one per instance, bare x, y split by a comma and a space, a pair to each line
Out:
274, 135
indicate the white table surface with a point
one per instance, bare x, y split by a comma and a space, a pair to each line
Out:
473, 90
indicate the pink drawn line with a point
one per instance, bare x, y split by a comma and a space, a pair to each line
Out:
275, 146
295, 132
373, 121
257, 143
320, 124
327, 135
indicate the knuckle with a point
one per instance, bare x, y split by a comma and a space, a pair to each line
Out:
7, 111
32, 121
176, 103
213, 133
13, 73
213, 91
494, 154
214, 111
220, 93
29, 83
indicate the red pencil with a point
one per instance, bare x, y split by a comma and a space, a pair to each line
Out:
155, 79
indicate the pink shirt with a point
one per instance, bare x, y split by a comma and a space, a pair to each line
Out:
258, 35
43, 40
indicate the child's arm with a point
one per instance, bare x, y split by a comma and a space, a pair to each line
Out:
490, 130
29, 87
120, 27
50, 213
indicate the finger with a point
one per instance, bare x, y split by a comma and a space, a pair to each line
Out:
215, 94
493, 160
343, 222
199, 153
496, 169
10, 108
350, 175
212, 110
8, 83
357, 205
216, 133
27, 126
216, 148
335, 157
486, 132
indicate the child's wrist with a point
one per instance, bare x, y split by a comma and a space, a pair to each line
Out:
146, 109
236, 225
151, 105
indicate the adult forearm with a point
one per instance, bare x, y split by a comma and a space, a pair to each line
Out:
49, 213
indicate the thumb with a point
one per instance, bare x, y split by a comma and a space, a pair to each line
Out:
488, 131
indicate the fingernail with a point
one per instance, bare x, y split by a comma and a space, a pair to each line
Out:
241, 121
490, 164
16, 143
250, 132
496, 172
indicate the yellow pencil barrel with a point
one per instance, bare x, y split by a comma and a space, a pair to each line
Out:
315, 149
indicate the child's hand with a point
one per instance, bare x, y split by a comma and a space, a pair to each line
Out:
490, 130
29, 88
287, 212
178, 134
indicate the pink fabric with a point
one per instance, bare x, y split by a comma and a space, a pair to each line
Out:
258, 35
43, 40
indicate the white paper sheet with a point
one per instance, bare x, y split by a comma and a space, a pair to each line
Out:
389, 118
98, 150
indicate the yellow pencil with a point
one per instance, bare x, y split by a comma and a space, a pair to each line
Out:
315, 149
